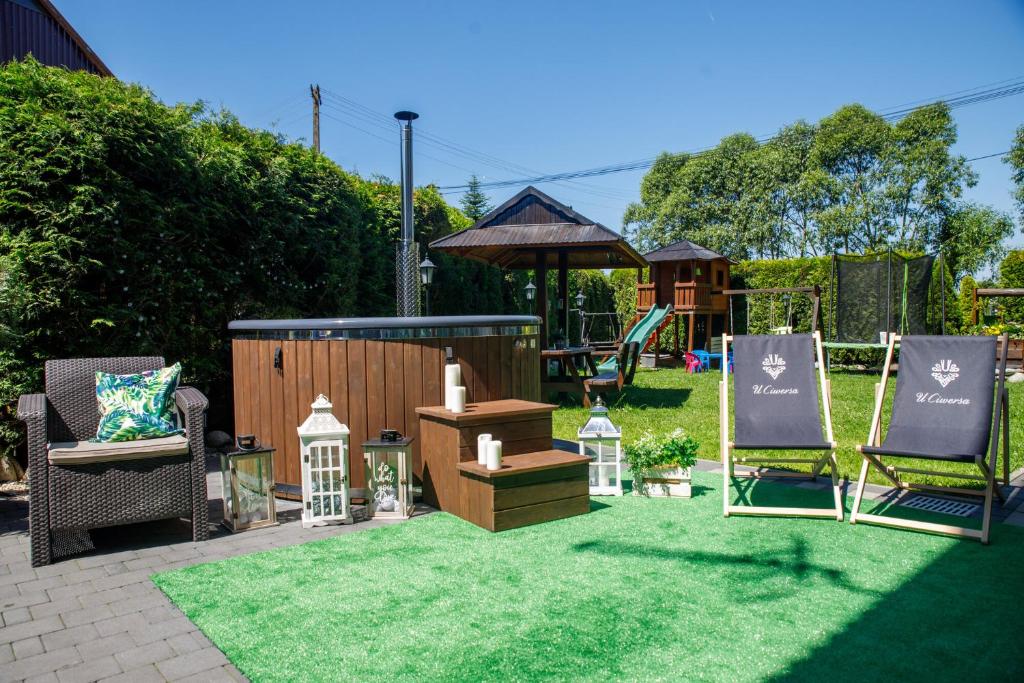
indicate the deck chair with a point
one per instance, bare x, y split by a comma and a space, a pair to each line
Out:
777, 408
942, 411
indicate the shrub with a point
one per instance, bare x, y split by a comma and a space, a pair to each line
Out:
128, 227
1011, 275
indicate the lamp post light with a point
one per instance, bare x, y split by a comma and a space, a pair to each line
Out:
580, 298
531, 292
427, 269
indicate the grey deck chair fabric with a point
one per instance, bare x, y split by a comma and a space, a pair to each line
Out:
942, 409
776, 395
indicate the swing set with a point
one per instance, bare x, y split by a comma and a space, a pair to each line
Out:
786, 294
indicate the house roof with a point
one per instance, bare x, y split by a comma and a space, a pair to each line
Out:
531, 222
42, 50
683, 250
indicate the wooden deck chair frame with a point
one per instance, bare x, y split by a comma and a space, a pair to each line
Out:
827, 459
1000, 414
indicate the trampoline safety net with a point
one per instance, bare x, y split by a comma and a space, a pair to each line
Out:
881, 293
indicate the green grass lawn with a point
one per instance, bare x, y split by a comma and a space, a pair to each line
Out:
663, 399
639, 589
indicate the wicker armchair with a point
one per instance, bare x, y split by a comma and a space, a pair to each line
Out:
68, 498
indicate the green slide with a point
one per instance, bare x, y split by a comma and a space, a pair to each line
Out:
640, 332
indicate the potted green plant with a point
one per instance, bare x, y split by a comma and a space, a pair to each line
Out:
661, 465
1015, 332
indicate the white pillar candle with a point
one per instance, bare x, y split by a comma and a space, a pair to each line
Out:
481, 448
458, 400
452, 379
493, 455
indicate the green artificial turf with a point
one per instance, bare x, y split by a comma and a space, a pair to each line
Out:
663, 399
639, 589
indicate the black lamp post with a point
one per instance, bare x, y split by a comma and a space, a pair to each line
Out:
531, 292
427, 269
579, 306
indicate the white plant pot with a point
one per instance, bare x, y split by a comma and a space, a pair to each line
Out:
665, 482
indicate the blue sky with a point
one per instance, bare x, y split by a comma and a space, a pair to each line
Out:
561, 86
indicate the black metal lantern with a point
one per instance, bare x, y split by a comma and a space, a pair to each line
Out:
427, 269
580, 299
531, 291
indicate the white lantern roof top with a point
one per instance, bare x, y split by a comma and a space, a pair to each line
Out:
599, 424
322, 421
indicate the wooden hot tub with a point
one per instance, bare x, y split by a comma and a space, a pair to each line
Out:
376, 372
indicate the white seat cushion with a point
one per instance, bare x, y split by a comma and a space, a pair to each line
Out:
83, 452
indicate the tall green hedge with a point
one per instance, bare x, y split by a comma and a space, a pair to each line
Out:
1011, 275
129, 227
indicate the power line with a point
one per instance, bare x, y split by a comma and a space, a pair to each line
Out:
987, 156
347, 106
974, 96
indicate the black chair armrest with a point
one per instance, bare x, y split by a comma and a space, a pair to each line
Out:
32, 409
193, 404
190, 398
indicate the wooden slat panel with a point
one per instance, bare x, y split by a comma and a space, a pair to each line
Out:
321, 369
511, 446
253, 349
338, 392
542, 512
531, 427
476, 502
264, 428
433, 373
413, 368
463, 353
238, 381
493, 367
357, 408
277, 427
540, 493
290, 447
376, 386
394, 386
479, 359
531, 354
505, 382
303, 403
530, 478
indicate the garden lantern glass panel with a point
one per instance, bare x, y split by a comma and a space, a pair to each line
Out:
601, 441
389, 476
323, 441
427, 269
247, 476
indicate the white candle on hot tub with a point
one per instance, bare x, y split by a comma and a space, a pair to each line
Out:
452, 379
493, 455
481, 448
458, 400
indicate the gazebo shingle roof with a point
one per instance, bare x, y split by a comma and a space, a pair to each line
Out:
511, 235
683, 250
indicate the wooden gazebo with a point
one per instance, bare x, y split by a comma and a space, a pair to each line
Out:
533, 231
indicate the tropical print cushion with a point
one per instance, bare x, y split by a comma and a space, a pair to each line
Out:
138, 406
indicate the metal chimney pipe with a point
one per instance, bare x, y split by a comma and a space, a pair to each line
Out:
407, 282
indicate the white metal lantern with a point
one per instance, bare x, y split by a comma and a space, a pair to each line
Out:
389, 476
323, 441
601, 441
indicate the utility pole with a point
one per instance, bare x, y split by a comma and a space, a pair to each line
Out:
314, 91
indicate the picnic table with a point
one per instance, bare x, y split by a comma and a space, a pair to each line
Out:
569, 379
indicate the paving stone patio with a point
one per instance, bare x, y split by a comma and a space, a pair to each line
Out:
99, 617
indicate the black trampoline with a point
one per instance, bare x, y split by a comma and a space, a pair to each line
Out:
877, 295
